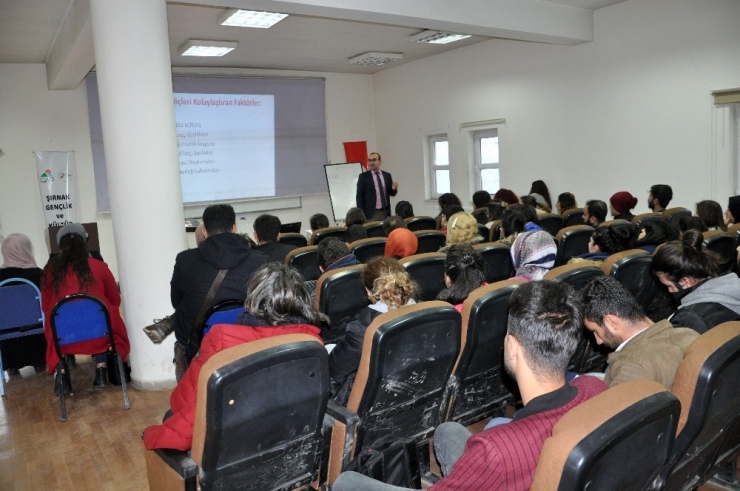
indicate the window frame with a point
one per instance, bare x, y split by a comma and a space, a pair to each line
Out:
478, 166
433, 167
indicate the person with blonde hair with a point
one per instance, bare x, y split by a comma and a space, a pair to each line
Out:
462, 228
388, 287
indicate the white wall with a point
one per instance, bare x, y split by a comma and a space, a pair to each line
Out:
629, 110
34, 118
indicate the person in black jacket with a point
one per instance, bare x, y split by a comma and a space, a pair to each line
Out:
267, 235
388, 287
196, 269
692, 276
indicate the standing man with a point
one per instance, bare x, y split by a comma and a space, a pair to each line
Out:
374, 190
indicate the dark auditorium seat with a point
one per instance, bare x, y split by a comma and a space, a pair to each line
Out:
496, 232
366, 249
633, 269
612, 222
374, 229
298, 240
551, 223
421, 223
674, 215
306, 261
498, 261
639, 220
322, 233
722, 244
428, 271
430, 241
572, 216
340, 295
572, 241
483, 232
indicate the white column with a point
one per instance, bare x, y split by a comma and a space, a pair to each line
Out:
132, 59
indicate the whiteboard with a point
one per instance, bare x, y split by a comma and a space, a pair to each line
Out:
342, 182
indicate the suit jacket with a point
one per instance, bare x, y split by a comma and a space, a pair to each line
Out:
366, 192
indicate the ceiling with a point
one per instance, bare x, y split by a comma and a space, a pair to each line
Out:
319, 35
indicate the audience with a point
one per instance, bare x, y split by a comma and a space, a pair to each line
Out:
388, 287
401, 243
318, 221
19, 262
462, 228
533, 255
507, 195
404, 209
606, 241
333, 253
733, 210
464, 272
355, 216
691, 274
654, 233
620, 205
446, 214
447, 199
540, 207
690, 223
480, 203
643, 349
496, 209
392, 223
659, 197
566, 201
710, 213
543, 331
594, 213
539, 187
267, 236
353, 233
517, 219
74, 271
277, 303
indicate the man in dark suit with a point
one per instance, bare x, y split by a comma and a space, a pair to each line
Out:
374, 190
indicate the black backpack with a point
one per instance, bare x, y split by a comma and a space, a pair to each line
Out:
390, 460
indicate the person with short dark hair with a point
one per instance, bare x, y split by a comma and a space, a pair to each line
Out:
318, 221
620, 205
353, 233
277, 303
659, 197
404, 209
691, 274
196, 269
606, 241
654, 233
480, 201
690, 223
333, 253
507, 195
537, 202
495, 208
542, 334
446, 200
643, 349
594, 213
517, 219
355, 216
392, 223
464, 272
267, 236
710, 212
566, 201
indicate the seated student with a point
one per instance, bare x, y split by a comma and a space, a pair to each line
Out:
533, 255
355, 216
537, 202
277, 303
606, 241
517, 219
392, 223
690, 223
643, 349
733, 211
388, 287
594, 213
267, 236
659, 197
710, 212
692, 276
354, 233
318, 221
447, 199
446, 214
404, 209
333, 253
542, 334
462, 228
620, 205
401, 243
566, 201
654, 233
507, 195
463, 273
480, 202
496, 209
539, 188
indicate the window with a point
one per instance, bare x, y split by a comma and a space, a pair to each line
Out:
439, 152
487, 160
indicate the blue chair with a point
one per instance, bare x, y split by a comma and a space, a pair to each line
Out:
225, 312
76, 318
20, 313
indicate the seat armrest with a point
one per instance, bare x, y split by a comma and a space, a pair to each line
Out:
342, 438
178, 461
342, 414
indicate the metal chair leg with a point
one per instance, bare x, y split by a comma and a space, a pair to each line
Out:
126, 402
59, 381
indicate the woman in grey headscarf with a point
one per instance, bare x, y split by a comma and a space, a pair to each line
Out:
18, 262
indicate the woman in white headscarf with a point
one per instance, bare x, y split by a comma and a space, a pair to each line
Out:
18, 262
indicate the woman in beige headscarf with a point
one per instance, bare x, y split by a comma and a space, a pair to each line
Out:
18, 262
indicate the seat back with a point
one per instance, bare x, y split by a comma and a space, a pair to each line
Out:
225, 312
428, 271
298, 240
306, 261
498, 261
483, 232
572, 216
576, 275
496, 232
374, 229
322, 233
674, 215
639, 220
480, 388
340, 295
616, 441
572, 241
20, 309
706, 383
366, 249
722, 244
259, 414
734, 231
429, 241
421, 223
407, 358
79, 317
551, 223
633, 269
612, 222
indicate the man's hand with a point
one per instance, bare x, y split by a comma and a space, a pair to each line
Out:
394, 185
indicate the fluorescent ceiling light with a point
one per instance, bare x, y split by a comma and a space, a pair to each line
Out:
250, 18
373, 58
437, 37
197, 47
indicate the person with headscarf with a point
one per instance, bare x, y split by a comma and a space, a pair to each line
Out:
620, 205
19, 262
533, 255
401, 243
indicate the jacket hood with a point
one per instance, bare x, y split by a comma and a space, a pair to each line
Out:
226, 250
724, 290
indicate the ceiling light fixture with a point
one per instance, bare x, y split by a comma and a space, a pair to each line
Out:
437, 37
197, 47
250, 18
373, 58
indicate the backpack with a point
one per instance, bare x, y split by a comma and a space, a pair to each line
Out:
390, 460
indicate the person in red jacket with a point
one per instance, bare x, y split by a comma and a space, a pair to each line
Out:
277, 303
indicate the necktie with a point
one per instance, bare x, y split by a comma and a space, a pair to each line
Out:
381, 189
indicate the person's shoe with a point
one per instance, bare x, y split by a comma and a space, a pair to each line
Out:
101, 378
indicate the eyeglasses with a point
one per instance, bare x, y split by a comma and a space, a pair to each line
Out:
373, 160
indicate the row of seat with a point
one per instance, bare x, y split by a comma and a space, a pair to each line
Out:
420, 367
